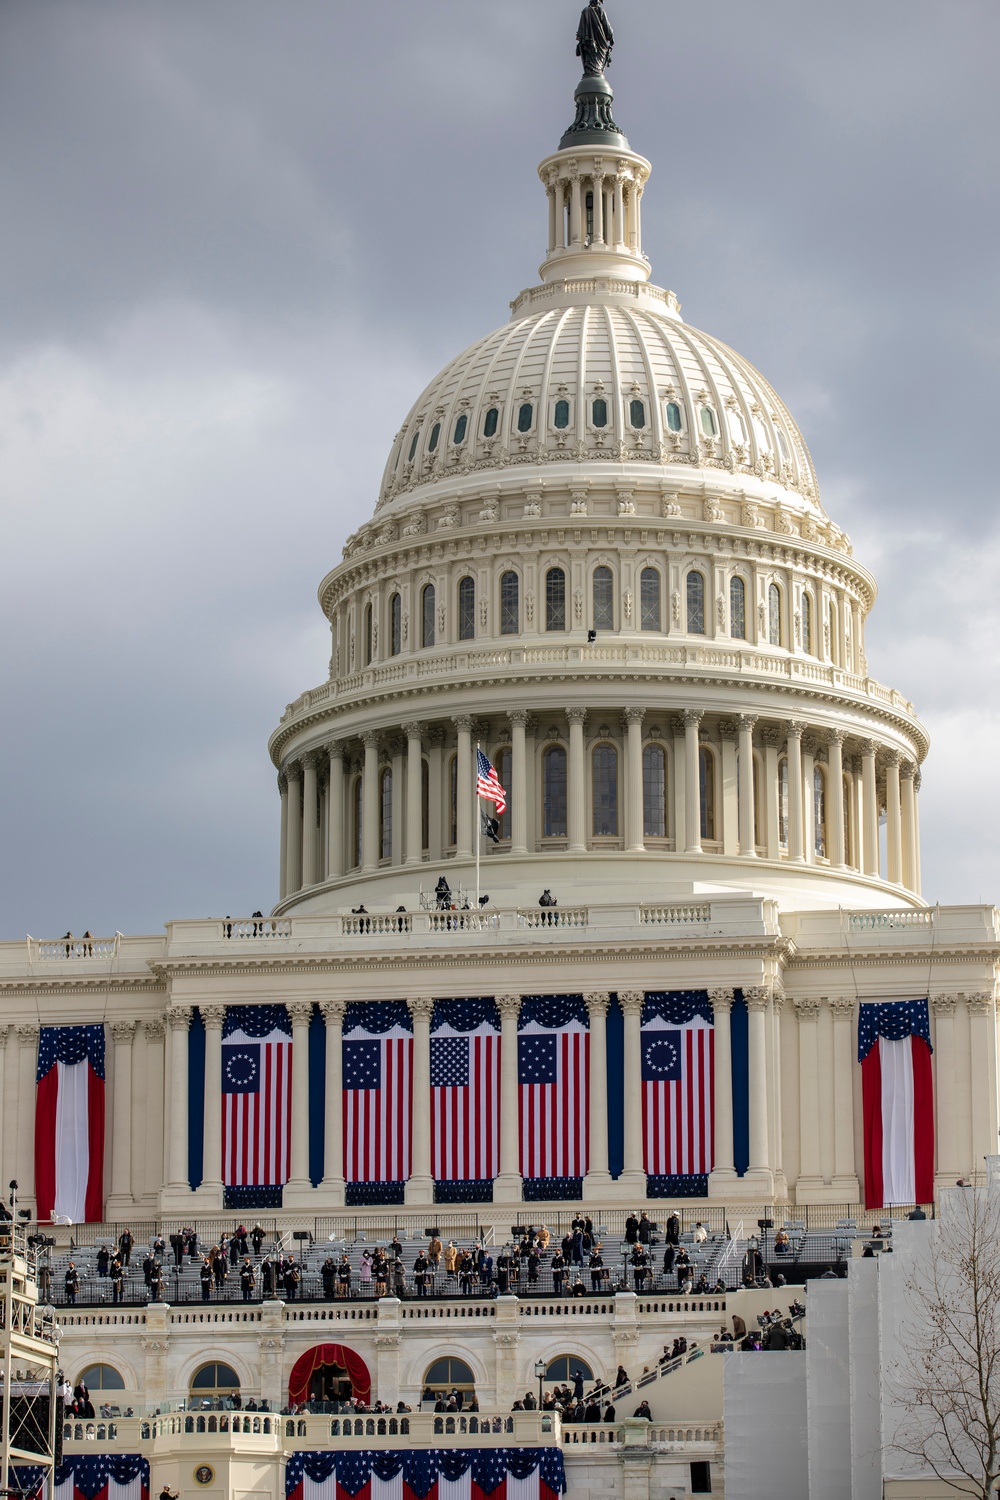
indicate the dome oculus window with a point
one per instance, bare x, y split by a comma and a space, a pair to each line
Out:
525, 417
599, 412
395, 625
467, 609
695, 604
460, 429
427, 615
554, 793
604, 599
560, 418
413, 446
435, 435
490, 422
510, 613
637, 414
654, 792
737, 609
708, 421
673, 417
649, 599
555, 599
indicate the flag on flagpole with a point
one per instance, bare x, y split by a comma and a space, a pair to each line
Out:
465, 1091
488, 783
256, 1096
69, 1124
678, 1093
897, 1093
553, 1062
378, 1080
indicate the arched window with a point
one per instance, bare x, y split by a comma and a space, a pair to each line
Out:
490, 422
708, 421
215, 1379
435, 435
673, 417
599, 412
356, 825
554, 793
565, 1366
819, 811
696, 604
807, 623
453, 800
467, 609
102, 1378
555, 599
637, 414
425, 805
706, 779
604, 599
460, 428
737, 609
502, 762
510, 611
774, 615
649, 599
783, 802
427, 615
604, 767
654, 792
368, 635
524, 417
395, 624
560, 418
447, 1375
385, 814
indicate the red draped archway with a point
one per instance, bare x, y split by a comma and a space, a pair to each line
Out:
300, 1380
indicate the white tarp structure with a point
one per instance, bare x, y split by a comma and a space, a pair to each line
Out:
767, 1453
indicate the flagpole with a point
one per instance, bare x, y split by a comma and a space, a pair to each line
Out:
476, 816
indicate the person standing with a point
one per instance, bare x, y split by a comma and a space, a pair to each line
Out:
72, 1283
125, 1243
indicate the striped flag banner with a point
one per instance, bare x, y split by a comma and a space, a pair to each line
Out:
378, 1086
678, 1092
427, 1474
256, 1096
897, 1095
69, 1124
91, 1476
553, 1060
465, 1090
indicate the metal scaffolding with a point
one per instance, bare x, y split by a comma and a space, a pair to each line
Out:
29, 1356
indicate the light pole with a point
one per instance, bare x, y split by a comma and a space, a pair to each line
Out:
540, 1376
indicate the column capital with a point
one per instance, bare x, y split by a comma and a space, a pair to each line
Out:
692, 717
179, 1020
634, 715
631, 1002
794, 729
918, 781
576, 715
722, 1001
369, 738
777, 999
282, 783
943, 1005
807, 1008
213, 1016
756, 998
122, 1032
891, 757
299, 1012
728, 730
977, 1005
907, 770
3, 1036
311, 759
518, 717
26, 1034
597, 1004
868, 748
462, 722
421, 1007
436, 736
414, 729
335, 749
333, 1010
154, 1030
677, 726
746, 721
509, 1005
292, 770
842, 1007
836, 736
772, 737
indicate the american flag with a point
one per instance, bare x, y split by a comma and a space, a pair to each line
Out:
256, 1096
402, 1473
553, 1057
488, 783
465, 1091
678, 1092
378, 1084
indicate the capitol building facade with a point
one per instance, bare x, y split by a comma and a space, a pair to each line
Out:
600, 559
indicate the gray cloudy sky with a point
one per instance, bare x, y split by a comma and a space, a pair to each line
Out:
237, 238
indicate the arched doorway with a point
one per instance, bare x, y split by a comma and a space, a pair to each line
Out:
329, 1372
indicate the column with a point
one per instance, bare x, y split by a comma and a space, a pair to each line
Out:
809, 799
298, 1188
552, 216
154, 1169
680, 785
335, 812
748, 834
576, 211
531, 756
723, 1173
756, 1001
637, 217
633, 1173
845, 1175
835, 798
211, 1169
507, 1187
397, 749
869, 810
730, 820
597, 1182
982, 1050
577, 789
414, 792
692, 782
293, 859
369, 803
310, 819
948, 1165
598, 190
120, 1199
465, 810
776, 1123
166, 1174
518, 781
283, 837
809, 1163
24, 1150
773, 741
333, 1122
435, 799
633, 780
179, 1022
420, 1187
796, 850
893, 830
908, 772
619, 214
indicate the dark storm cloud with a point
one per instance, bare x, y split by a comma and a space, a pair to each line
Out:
238, 238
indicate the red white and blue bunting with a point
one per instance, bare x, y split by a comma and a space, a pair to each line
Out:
427, 1474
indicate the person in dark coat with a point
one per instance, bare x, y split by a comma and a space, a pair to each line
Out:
631, 1229
673, 1230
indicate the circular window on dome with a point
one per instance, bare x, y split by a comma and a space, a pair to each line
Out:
560, 418
525, 416
460, 428
673, 417
490, 422
637, 414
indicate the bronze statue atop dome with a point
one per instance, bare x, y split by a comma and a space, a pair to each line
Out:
594, 40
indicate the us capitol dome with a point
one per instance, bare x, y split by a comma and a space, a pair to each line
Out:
599, 552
